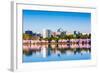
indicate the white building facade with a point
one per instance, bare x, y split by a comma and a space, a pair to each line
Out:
46, 33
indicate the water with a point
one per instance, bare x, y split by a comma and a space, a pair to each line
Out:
58, 52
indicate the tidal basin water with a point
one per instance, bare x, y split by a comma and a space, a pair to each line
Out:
57, 52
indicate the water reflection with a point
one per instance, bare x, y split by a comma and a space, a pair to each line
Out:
45, 51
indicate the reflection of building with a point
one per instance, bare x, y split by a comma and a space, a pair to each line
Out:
46, 51
46, 33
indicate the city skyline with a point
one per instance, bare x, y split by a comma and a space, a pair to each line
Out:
67, 32
36, 21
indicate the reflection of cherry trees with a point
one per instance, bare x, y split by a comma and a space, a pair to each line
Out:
72, 46
58, 48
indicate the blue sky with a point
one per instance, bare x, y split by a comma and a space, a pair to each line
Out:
36, 21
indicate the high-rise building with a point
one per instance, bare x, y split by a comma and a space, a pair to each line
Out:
60, 31
46, 33
28, 32
75, 32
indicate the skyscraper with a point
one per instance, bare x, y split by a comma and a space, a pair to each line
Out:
28, 32
46, 33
